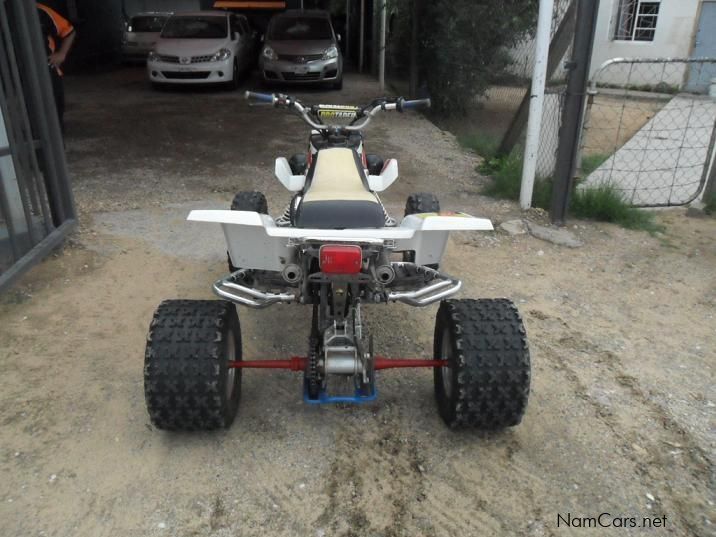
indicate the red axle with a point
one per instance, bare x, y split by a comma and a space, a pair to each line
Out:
295, 363
298, 363
393, 363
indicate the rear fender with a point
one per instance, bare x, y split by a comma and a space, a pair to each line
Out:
379, 183
293, 183
256, 242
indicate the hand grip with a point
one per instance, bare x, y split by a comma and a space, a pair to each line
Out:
417, 103
261, 97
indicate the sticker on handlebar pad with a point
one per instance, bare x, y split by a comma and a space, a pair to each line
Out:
337, 111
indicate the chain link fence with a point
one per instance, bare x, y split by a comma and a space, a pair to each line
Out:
496, 110
491, 115
649, 130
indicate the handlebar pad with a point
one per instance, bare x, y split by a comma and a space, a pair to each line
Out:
417, 103
263, 97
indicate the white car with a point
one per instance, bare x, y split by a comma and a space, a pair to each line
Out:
141, 33
203, 47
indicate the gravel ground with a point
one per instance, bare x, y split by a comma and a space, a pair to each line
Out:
621, 415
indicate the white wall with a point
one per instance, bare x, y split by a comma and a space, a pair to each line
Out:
675, 29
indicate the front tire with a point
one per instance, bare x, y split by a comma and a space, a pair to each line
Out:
487, 381
188, 384
235, 73
247, 201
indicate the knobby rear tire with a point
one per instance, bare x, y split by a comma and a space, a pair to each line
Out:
187, 382
487, 382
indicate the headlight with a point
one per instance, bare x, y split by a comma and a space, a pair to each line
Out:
269, 53
153, 57
330, 53
223, 54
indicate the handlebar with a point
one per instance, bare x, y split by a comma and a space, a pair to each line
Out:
311, 115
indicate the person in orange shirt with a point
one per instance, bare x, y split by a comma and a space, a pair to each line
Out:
59, 35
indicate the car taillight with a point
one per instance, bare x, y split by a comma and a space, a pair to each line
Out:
341, 258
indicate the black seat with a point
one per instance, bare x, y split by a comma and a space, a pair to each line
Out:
337, 194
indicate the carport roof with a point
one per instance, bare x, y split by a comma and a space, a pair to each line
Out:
255, 4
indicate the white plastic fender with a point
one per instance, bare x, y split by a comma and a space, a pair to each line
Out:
379, 183
293, 183
256, 242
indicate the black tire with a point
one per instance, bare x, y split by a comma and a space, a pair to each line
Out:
247, 201
235, 74
298, 163
421, 202
487, 382
338, 84
188, 385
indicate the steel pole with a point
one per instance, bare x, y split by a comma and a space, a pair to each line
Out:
574, 104
348, 29
539, 82
414, 49
381, 57
361, 45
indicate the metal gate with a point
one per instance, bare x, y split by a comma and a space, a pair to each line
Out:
646, 134
36, 205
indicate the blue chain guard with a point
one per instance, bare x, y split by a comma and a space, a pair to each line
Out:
324, 398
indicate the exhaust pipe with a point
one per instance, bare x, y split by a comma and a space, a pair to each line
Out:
385, 274
292, 274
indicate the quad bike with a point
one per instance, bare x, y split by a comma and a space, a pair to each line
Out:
335, 250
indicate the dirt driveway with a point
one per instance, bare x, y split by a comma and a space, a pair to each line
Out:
622, 331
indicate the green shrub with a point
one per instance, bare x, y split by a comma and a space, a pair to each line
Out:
481, 143
462, 44
606, 204
710, 204
603, 203
592, 162
506, 180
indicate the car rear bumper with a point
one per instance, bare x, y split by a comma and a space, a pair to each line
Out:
199, 73
301, 73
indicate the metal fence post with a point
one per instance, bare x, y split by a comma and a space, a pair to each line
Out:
573, 113
414, 46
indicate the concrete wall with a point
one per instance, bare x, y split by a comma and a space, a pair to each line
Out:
675, 29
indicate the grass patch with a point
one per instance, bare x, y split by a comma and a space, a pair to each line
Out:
506, 173
710, 204
603, 203
483, 144
592, 162
606, 204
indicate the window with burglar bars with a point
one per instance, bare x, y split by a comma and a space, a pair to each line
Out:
636, 20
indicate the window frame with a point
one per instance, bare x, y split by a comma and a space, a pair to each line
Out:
634, 26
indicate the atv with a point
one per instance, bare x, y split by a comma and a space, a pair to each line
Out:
335, 249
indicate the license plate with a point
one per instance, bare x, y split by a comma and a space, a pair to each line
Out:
184, 70
300, 70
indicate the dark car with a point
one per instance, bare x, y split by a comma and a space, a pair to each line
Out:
302, 47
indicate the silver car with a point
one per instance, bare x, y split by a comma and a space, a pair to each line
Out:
141, 32
301, 47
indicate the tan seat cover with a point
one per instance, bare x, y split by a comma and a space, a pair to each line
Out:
336, 178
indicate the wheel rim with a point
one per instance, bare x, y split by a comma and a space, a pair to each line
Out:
446, 370
231, 372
